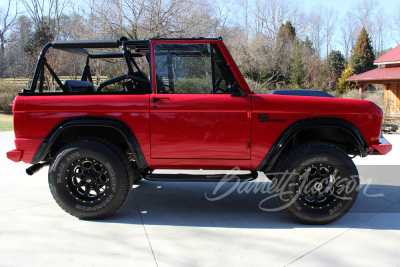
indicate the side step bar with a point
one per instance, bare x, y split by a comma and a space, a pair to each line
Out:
201, 178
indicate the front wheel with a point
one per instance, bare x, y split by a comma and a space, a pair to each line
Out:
90, 178
317, 183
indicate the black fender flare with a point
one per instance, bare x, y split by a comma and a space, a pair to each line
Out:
273, 154
108, 122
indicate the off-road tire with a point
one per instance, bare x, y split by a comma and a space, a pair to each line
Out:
320, 184
90, 178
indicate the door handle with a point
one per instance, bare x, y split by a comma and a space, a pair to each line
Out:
155, 99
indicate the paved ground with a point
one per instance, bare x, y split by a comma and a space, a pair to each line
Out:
172, 224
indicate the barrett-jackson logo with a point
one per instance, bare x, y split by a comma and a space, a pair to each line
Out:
264, 118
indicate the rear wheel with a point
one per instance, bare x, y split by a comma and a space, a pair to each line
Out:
91, 178
318, 183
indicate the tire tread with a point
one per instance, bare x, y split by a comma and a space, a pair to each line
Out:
101, 144
285, 159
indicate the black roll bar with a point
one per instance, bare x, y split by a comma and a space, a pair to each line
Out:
78, 47
106, 55
86, 44
39, 66
53, 74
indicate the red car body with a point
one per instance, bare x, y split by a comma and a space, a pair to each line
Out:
195, 131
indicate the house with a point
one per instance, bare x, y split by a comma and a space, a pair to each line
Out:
388, 75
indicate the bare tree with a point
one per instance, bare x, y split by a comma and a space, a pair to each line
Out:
349, 32
46, 12
7, 20
139, 19
364, 13
316, 23
382, 25
330, 21
396, 27
271, 14
112, 14
225, 11
175, 18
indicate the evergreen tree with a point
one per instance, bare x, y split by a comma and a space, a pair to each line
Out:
343, 85
323, 81
335, 66
287, 32
336, 62
298, 74
363, 57
307, 43
40, 37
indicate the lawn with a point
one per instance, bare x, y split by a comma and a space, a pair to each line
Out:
6, 123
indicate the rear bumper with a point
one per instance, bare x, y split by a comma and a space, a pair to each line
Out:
14, 155
383, 148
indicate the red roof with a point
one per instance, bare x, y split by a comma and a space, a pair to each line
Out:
377, 74
393, 56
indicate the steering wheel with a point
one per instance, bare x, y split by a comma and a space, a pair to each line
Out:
216, 89
161, 86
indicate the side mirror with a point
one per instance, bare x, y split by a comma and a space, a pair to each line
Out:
237, 91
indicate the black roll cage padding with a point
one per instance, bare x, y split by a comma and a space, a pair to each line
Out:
115, 43
39, 67
86, 71
120, 78
113, 55
127, 58
137, 45
41, 76
137, 67
106, 55
41, 81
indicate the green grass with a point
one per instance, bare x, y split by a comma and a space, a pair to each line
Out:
6, 126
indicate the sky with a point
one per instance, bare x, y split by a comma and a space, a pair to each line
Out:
391, 7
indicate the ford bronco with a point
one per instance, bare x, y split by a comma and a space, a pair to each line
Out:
187, 107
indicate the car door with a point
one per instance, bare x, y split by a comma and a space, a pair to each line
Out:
196, 112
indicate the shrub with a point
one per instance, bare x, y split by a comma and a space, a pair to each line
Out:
351, 94
343, 86
114, 87
255, 86
8, 92
378, 97
335, 94
192, 86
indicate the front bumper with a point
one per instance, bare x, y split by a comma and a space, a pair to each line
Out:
382, 148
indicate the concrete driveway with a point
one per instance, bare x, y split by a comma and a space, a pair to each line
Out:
173, 224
